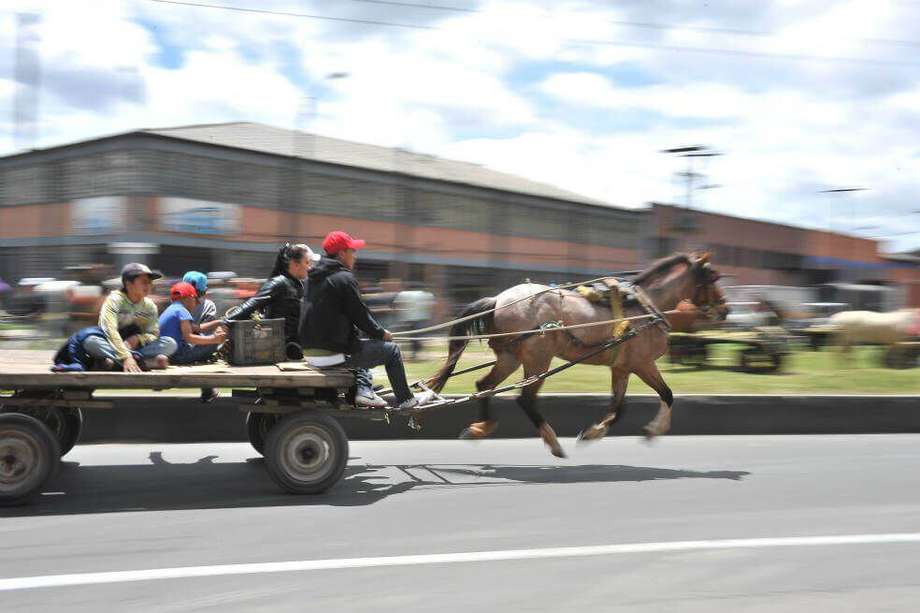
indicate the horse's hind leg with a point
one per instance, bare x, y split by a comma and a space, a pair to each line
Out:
662, 421
505, 364
620, 380
528, 401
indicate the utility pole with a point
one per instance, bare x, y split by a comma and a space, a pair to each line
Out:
303, 152
27, 77
685, 223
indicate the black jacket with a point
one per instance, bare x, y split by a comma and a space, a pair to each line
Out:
334, 310
279, 297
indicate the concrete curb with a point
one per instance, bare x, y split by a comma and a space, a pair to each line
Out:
171, 419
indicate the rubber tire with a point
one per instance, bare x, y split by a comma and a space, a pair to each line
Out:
74, 428
697, 355
258, 425
69, 429
899, 359
776, 361
29, 432
282, 446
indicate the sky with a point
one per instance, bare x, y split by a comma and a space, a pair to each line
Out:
798, 97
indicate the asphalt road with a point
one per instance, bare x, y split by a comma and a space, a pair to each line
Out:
141, 507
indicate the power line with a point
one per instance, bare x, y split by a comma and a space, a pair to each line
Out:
241, 9
649, 25
439, 7
575, 41
747, 53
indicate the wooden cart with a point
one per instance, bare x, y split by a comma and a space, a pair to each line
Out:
290, 412
761, 350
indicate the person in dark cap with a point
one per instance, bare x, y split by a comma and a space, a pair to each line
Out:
336, 313
128, 320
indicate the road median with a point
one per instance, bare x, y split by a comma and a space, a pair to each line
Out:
184, 419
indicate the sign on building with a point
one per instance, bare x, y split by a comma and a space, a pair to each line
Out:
199, 216
101, 215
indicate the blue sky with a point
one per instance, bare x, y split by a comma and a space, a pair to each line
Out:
799, 96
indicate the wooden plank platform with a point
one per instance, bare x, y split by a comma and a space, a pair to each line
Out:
21, 369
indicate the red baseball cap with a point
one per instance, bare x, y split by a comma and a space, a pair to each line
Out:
182, 290
337, 241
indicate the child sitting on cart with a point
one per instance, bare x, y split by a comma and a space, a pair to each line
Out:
176, 323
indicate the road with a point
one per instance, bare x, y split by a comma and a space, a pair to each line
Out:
605, 530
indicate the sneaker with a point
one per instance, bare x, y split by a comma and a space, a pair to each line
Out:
209, 394
416, 401
368, 399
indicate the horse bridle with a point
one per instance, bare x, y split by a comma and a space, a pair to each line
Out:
702, 299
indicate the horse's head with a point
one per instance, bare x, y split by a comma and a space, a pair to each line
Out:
707, 295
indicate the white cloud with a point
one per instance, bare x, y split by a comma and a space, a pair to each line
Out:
516, 86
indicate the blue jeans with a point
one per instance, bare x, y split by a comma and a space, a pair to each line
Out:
374, 353
99, 347
188, 354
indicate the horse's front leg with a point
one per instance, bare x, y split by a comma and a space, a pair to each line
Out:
661, 424
619, 381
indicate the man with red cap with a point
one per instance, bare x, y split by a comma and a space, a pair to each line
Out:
335, 313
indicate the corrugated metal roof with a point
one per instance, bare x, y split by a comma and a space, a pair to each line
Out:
279, 141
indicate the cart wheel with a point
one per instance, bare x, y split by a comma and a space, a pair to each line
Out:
755, 359
258, 425
898, 358
29, 454
306, 453
66, 424
698, 355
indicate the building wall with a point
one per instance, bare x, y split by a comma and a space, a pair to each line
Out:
110, 191
759, 252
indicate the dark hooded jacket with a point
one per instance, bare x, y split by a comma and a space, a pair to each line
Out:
334, 311
281, 297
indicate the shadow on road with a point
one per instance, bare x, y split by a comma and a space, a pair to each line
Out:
162, 486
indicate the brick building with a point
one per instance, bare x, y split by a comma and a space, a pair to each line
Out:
221, 197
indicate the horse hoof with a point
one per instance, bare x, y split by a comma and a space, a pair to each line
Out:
558, 452
650, 434
466, 434
590, 434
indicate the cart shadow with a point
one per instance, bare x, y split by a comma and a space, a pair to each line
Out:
205, 484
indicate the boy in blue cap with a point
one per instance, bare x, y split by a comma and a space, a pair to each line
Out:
204, 317
206, 311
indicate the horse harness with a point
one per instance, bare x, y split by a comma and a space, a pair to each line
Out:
619, 295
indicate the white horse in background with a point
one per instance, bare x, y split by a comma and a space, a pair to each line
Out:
872, 328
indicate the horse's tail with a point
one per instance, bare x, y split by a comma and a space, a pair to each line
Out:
478, 325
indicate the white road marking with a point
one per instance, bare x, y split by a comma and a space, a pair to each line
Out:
153, 574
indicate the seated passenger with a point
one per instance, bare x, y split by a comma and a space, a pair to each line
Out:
206, 311
336, 312
282, 295
176, 323
204, 318
129, 323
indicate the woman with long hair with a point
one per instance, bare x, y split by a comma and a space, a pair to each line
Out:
281, 296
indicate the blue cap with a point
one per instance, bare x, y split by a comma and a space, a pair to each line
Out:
198, 279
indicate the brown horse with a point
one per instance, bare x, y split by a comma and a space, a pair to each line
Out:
666, 282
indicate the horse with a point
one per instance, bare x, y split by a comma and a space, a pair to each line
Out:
873, 328
666, 283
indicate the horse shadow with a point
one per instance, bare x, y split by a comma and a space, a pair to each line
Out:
162, 486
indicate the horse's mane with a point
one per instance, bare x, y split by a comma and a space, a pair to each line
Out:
661, 266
